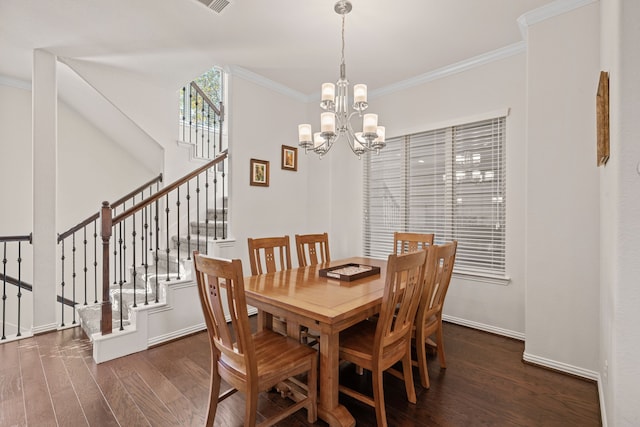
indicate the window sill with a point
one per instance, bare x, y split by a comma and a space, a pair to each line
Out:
476, 277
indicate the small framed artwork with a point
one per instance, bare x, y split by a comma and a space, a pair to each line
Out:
602, 118
259, 173
289, 158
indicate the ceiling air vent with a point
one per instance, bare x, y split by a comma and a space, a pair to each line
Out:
215, 5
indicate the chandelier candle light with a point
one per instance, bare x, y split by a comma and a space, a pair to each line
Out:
336, 120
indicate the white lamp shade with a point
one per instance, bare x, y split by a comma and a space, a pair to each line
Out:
317, 140
381, 134
328, 91
328, 122
360, 93
304, 133
370, 123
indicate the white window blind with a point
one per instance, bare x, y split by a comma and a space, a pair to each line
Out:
450, 182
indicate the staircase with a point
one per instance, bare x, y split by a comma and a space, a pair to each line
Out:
147, 246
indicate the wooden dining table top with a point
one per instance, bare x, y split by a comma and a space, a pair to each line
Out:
304, 292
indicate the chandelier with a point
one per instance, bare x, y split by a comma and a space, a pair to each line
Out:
335, 121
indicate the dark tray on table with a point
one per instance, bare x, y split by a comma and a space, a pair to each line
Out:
349, 272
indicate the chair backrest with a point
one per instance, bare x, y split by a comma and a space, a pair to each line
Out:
265, 249
236, 345
403, 286
411, 242
310, 246
439, 270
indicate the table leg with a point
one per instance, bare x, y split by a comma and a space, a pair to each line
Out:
265, 320
328, 407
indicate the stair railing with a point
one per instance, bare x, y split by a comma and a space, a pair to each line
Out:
154, 214
201, 121
87, 232
12, 249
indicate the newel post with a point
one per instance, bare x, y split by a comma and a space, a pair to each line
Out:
106, 323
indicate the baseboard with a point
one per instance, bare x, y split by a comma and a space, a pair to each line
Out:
176, 334
560, 366
484, 327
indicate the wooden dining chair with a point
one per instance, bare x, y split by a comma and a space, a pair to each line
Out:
312, 249
410, 242
249, 363
269, 254
376, 346
429, 316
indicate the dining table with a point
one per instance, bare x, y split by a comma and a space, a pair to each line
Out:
326, 306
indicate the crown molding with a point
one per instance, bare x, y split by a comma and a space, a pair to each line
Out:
550, 10
19, 84
267, 83
458, 67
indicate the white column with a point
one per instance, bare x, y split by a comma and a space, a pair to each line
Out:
44, 125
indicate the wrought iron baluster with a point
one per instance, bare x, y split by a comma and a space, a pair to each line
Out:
20, 286
178, 233
184, 108
206, 210
190, 112
203, 129
121, 269
196, 137
188, 222
4, 288
73, 277
157, 258
95, 262
84, 268
198, 212
224, 211
209, 131
133, 248
167, 250
215, 204
146, 256
124, 246
62, 285
115, 257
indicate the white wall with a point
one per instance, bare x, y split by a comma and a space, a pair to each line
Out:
89, 170
620, 208
260, 122
562, 206
493, 87
15, 161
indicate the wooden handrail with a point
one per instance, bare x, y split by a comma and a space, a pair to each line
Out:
14, 281
166, 190
25, 238
79, 226
206, 98
144, 186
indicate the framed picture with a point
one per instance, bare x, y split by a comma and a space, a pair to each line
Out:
289, 158
259, 173
602, 118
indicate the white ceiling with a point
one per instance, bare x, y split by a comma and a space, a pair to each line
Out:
293, 42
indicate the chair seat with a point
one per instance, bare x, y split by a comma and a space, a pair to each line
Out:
357, 341
275, 354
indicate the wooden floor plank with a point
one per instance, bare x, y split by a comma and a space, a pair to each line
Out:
485, 383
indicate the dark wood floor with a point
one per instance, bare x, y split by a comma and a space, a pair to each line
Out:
52, 380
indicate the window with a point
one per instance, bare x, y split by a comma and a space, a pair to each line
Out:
201, 114
450, 182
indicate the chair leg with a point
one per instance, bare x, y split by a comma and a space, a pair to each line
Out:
440, 341
407, 373
251, 407
421, 353
214, 391
312, 392
378, 398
